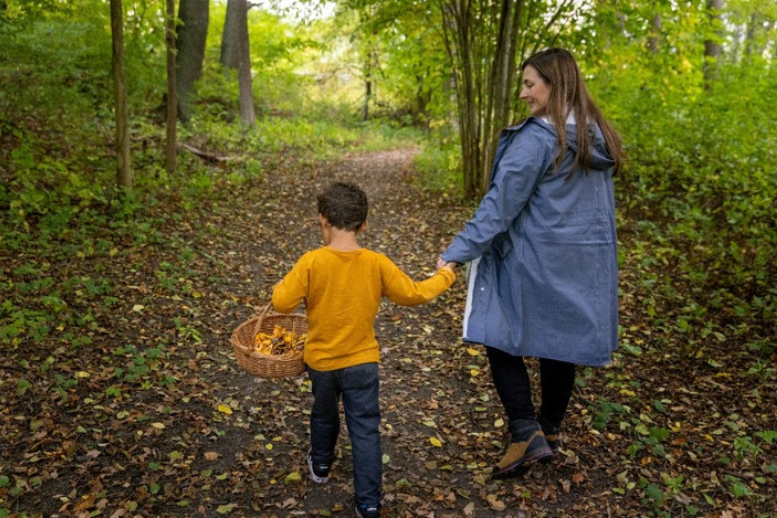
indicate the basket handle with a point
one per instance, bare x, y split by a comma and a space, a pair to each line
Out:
261, 317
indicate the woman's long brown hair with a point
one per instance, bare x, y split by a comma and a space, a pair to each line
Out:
568, 94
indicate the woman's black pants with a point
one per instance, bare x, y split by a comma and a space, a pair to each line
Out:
511, 379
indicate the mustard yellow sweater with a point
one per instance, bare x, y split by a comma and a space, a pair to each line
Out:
342, 291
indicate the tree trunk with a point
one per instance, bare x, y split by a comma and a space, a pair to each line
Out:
123, 171
190, 43
503, 73
172, 97
236, 54
712, 47
423, 97
655, 33
367, 92
751, 45
457, 30
247, 113
229, 55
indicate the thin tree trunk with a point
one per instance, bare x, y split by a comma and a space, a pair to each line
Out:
123, 171
247, 112
655, 33
751, 46
456, 33
503, 72
367, 91
423, 97
712, 48
172, 97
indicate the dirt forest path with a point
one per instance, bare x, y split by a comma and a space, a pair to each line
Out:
441, 424
149, 414
135, 407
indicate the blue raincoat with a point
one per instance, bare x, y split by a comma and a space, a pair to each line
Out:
543, 252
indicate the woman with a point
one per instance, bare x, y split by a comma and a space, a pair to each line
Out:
542, 247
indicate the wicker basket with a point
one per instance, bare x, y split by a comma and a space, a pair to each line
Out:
268, 365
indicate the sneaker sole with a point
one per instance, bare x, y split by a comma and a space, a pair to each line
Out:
358, 511
313, 476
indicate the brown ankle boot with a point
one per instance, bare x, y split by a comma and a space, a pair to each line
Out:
527, 447
552, 433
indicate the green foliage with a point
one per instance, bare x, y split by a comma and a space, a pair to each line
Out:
277, 52
606, 410
696, 205
439, 165
700, 183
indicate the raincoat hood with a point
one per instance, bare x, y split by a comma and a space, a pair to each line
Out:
600, 158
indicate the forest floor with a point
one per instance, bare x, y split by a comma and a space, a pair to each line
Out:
142, 409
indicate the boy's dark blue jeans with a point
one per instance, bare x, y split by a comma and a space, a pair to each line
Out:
358, 386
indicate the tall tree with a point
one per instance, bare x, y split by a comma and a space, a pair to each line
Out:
190, 42
123, 170
172, 94
498, 111
229, 55
236, 53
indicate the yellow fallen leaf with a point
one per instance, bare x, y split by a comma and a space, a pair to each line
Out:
294, 476
473, 352
158, 426
225, 409
435, 441
474, 372
82, 374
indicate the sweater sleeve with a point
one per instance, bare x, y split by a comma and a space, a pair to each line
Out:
402, 290
292, 289
516, 175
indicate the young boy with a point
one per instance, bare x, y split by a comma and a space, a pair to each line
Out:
342, 285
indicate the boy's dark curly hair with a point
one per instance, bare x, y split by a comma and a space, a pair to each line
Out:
344, 205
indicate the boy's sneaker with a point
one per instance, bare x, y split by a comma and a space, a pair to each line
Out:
368, 511
318, 472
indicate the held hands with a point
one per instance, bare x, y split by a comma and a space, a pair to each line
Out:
441, 264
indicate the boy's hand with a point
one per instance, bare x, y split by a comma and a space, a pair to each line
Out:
441, 264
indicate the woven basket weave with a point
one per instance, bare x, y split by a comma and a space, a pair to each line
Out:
268, 365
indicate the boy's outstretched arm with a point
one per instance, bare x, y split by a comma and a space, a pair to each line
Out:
290, 291
402, 290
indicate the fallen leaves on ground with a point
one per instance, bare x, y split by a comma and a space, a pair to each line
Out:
133, 405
